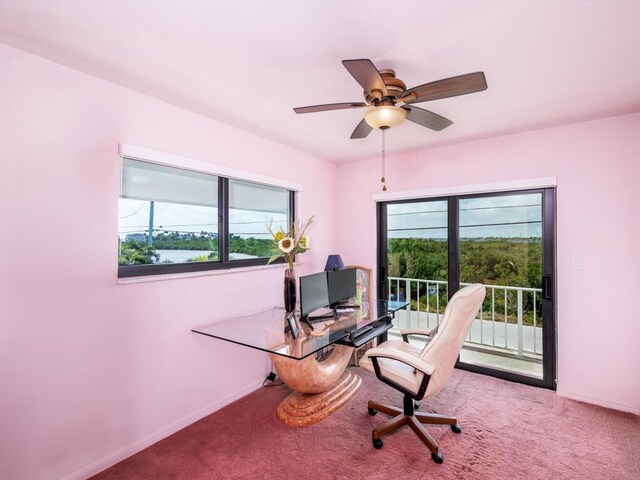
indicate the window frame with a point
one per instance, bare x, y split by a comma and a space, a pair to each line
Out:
128, 271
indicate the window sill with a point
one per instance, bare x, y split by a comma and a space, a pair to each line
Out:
206, 273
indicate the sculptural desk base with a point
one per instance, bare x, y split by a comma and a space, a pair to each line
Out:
320, 388
304, 409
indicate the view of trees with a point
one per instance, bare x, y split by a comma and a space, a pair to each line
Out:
515, 262
176, 240
492, 261
258, 247
135, 251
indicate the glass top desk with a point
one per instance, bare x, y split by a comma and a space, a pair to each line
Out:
267, 330
320, 386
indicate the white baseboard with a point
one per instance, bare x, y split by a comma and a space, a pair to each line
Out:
125, 452
598, 401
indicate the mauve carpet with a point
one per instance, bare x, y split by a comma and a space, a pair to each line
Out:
509, 431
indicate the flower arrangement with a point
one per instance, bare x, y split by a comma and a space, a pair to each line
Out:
289, 244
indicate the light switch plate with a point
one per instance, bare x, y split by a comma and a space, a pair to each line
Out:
577, 263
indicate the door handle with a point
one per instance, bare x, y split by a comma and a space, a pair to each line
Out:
383, 287
547, 287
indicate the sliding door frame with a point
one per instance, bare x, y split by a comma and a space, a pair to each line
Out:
548, 297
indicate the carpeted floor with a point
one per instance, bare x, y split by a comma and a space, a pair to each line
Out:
509, 431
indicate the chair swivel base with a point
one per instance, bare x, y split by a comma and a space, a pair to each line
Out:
407, 416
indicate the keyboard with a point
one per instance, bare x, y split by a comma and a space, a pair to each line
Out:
363, 330
359, 336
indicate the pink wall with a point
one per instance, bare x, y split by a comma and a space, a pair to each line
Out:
91, 370
597, 165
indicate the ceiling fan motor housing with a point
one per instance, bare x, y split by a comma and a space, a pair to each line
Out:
395, 89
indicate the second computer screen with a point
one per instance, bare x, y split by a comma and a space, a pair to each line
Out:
342, 285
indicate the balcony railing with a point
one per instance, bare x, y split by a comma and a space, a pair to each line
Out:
508, 322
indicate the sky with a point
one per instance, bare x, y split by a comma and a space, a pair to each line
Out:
512, 216
133, 217
186, 201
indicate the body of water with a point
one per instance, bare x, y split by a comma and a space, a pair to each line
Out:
181, 256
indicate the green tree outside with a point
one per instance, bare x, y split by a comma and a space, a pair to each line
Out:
514, 262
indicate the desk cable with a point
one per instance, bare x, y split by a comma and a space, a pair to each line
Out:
271, 379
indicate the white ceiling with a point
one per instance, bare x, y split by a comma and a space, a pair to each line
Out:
248, 63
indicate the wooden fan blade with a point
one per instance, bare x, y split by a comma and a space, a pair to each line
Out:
329, 106
449, 87
362, 130
366, 74
426, 118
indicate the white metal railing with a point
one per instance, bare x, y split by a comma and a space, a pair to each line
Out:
508, 333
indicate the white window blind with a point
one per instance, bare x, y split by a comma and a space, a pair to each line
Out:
159, 183
262, 198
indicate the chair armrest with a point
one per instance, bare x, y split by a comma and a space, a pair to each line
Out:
423, 332
403, 357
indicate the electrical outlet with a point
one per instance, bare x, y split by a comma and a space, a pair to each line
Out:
577, 263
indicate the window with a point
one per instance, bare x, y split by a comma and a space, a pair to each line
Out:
251, 208
174, 220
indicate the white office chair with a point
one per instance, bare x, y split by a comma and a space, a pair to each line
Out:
420, 373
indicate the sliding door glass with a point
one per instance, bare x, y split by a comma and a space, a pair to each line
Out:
417, 261
501, 247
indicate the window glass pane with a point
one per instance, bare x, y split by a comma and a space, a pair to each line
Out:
501, 240
417, 259
417, 220
251, 208
501, 247
166, 215
512, 216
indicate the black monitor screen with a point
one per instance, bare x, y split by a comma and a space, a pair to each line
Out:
314, 293
342, 285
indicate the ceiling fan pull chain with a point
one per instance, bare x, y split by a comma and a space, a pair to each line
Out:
384, 187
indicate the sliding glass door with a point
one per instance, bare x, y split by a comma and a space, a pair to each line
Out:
430, 248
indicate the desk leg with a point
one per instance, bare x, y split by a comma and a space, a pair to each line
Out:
321, 388
383, 337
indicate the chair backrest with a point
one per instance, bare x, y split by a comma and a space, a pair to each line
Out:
442, 351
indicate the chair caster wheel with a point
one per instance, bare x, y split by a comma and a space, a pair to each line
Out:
437, 457
372, 412
456, 429
377, 444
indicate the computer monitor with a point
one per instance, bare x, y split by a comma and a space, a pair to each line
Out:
342, 285
314, 293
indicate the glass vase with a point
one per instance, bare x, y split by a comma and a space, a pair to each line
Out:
289, 290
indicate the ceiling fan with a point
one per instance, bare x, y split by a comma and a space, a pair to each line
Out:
383, 91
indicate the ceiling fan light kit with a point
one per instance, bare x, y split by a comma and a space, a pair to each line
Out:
382, 90
385, 116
